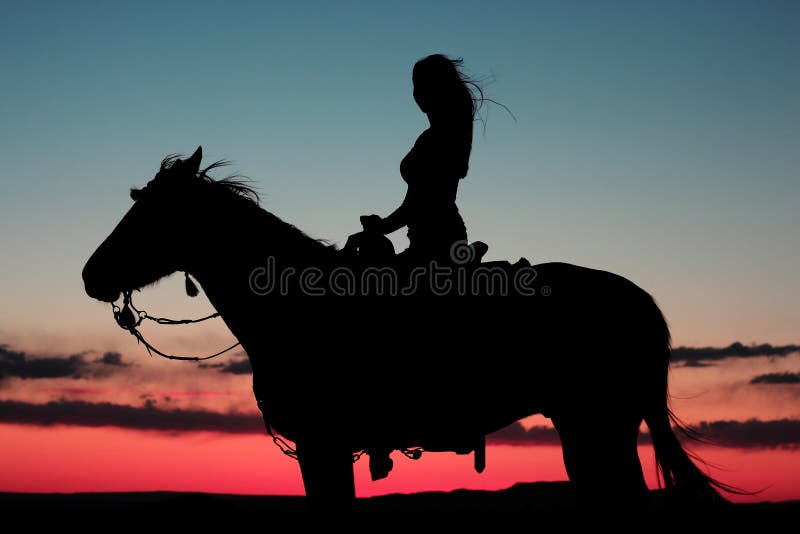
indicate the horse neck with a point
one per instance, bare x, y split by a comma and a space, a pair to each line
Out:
249, 240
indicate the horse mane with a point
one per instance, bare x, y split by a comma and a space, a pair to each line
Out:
234, 183
238, 188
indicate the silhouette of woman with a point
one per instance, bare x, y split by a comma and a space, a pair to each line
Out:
437, 162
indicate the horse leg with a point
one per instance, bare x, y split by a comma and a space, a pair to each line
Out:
602, 461
569, 445
327, 476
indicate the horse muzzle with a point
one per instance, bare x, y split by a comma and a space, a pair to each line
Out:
98, 286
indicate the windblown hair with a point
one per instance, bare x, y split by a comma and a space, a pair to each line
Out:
447, 75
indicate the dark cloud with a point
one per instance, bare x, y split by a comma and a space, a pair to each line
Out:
777, 378
26, 366
235, 367
696, 363
700, 356
113, 359
751, 434
238, 367
211, 365
147, 417
516, 434
21, 365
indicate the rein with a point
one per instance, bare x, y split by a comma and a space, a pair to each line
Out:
129, 318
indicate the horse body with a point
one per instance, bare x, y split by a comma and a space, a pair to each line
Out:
404, 367
341, 373
351, 373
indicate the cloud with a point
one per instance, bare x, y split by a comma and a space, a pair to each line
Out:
112, 358
697, 363
25, 366
143, 394
147, 417
751, 434
19, 364
698, 356
211, 365
777, 378
516, 434
238, 367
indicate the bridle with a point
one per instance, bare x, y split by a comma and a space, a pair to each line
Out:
129, 318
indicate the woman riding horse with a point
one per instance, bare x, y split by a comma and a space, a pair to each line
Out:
434, 166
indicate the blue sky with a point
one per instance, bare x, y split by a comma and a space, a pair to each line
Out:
659, 140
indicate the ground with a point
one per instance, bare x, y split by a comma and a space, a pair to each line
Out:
539, 507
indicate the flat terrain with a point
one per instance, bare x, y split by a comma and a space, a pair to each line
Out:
539, 507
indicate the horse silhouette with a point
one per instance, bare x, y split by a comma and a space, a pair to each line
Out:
338, 372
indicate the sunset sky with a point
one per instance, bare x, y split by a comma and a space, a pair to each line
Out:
660, 141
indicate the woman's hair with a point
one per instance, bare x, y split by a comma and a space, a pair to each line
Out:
447, 85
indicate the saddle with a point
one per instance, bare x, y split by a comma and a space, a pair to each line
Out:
372, 248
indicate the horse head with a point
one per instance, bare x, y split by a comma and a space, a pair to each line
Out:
157, 235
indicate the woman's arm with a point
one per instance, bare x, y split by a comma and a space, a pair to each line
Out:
386, 225
398, 218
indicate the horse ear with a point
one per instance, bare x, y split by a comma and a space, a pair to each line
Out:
193, 162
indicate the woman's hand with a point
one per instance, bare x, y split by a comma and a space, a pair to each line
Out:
372, 223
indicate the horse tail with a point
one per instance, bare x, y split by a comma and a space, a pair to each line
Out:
675, 465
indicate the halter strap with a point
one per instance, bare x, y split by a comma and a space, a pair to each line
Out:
129, 318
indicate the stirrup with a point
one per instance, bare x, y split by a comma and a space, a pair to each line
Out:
380, 463
480, 455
